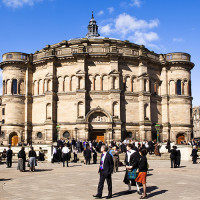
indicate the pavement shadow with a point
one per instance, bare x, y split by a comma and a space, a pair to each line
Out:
149, 174
151, 188
5, 179
75, 165
156, 193
122, 193
43, 170
182, 167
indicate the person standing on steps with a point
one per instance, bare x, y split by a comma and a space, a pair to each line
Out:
105, 170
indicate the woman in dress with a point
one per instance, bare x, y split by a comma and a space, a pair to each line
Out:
32, 159
21, 160
142, 172
131, 161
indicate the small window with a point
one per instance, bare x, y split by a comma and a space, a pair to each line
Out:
58, 52
3, 121
23, 57
9, 56
14, 86
39, 135
3, 111
178, 86
169, 57
66, 134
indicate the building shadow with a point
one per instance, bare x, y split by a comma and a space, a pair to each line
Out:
5, 179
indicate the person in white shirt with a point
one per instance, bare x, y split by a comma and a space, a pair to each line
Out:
65, 154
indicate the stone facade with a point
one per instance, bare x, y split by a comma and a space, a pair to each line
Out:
96, 87
196, 121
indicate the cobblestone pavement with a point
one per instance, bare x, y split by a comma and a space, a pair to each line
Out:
52, 181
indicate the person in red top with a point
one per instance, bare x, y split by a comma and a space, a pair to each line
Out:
142, 172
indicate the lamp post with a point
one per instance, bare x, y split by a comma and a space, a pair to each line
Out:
58, 129
157, 129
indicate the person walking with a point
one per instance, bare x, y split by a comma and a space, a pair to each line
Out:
75, 152
142, 172
32, 159
173, 155
21, 160
194, 154
65, 153
178, 158
94, 155
105, 170
132, 158
9, 155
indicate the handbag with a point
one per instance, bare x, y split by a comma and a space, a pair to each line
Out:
132, 175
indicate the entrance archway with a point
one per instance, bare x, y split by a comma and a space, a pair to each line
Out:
13, 140
180, 138
98, 135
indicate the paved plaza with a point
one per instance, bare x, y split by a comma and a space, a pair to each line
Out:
79, 182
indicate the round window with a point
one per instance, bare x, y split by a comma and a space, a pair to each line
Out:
39, 135
66, 134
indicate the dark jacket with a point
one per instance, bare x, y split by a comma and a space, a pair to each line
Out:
22, 155
108, 165
194, 153
173, 153
87, 153
31, 154
143, 164
9, 154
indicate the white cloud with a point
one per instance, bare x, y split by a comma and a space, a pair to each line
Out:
177, 39
136, 3
101, 12
144, 38
19, 3
133, 29
111, 10
106, 29
126, 24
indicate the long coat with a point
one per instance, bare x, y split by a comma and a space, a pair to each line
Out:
134, 162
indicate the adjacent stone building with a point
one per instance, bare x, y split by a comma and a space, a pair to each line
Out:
95, 88
196, 121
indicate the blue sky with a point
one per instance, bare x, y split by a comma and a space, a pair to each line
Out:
161, 25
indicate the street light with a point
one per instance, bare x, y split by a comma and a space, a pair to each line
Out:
157, 129
76, 129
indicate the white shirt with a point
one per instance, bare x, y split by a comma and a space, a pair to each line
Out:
65, 150
54, 150
103, 158
129, 153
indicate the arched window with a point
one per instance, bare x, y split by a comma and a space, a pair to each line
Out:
48, 111
21, 87
105, 83
115, 109
81, 109
14, 86
97, 82
49, 85
41, 87
4, 87
178, 87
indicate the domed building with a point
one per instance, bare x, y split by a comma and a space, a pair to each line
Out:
95, 88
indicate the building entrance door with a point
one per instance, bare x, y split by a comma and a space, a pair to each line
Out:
14, 141
98, 135
180, 138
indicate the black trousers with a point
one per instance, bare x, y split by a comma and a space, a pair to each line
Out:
87, 160
101, 184
65, 158
9, 162
173, 163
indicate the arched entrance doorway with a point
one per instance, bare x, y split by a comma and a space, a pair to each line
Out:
99, 125
13, 139
180, 138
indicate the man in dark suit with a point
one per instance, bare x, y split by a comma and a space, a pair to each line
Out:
87, 155
9, 157
173, 157
105, 170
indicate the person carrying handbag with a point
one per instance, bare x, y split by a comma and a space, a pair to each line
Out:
142, 172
